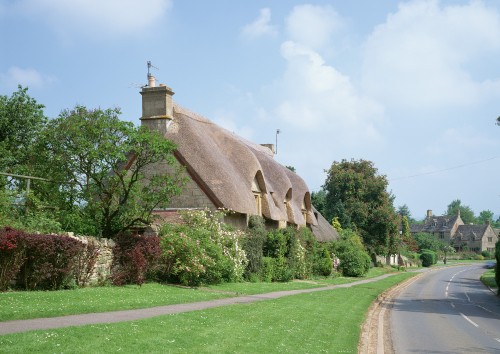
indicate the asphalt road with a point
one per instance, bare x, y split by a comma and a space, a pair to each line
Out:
446, 311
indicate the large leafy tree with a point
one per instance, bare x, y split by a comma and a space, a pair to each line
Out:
485, 216
318, 200
21, 119
357, 196
428, 241
105, 171
466, 212
404, 210
406, 235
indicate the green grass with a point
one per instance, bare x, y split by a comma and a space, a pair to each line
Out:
488, 278
34, 304
327, 321
20, 305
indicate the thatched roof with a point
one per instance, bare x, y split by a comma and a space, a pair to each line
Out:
225, 166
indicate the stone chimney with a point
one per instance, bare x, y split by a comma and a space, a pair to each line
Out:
429, 213
270, 147
157, 106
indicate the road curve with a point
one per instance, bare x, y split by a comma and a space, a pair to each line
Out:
446, 310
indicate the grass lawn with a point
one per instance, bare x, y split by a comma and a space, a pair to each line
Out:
19, 305
34, 304
326, 321
488, 278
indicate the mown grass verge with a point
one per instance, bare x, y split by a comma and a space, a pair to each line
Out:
488, 279
327, 321
20, 305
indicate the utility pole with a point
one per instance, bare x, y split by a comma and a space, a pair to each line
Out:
276, 150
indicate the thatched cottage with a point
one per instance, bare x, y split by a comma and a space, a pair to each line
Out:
453, 231
226, 171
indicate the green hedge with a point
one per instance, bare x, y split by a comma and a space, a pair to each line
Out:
428, 258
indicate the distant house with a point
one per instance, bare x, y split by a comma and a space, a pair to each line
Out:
452, 230
226, 171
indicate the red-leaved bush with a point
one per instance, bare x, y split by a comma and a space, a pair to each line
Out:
50, 261
11, 256
44, 262
135, 257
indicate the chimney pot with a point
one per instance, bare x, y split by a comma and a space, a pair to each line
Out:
151, 81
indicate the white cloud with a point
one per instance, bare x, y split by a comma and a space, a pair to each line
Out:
313, 26
261, 26
107, 18
317, 97
423, 54
26, 77
227, 120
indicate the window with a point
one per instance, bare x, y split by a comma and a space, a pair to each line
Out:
441, 235
490, 239
258, 187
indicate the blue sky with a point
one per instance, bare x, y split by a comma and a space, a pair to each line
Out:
413, 86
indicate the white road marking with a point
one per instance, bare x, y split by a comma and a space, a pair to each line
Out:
497, 339
452, 304
468, 319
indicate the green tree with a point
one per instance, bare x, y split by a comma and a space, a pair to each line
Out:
485, 216
426, 241
21, 119
406, 236
357, 196
466, 212
318, 200
497, 267
404, 210
354, 260
108, 169
336, 224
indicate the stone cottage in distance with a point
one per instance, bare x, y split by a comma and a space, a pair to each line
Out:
226, 171
452, 230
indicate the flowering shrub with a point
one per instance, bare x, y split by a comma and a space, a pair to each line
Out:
202, 250
135, 258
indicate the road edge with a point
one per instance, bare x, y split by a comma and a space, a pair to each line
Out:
375, 336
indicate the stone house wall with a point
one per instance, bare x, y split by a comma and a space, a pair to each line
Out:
192, 196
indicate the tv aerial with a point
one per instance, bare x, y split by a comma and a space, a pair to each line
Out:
151, 66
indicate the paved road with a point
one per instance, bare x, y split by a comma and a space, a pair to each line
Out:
446, 311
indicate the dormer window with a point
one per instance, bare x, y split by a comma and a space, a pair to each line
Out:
258, 188
306, 206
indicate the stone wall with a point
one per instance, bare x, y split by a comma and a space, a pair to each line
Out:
102, 268
192, 196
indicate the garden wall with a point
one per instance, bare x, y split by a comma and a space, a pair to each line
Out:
102, 268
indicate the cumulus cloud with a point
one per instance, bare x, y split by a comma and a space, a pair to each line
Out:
317, 96
422, 55
261, 26
26, 77
312, 25
108, 18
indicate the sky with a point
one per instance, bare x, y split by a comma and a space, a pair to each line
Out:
413, 86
